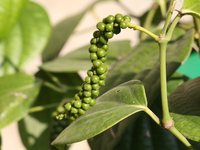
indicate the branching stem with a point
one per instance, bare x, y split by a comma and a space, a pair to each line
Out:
136, 27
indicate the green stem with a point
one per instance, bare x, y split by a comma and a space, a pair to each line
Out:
174, 131
148, 20
153, 116
53, 87
163, 82
136, 27
54, 79
41, 108
168, 19
172, 27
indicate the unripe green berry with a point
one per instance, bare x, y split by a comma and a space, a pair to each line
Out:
95, 93
95, 86
92, 102
108, 34
127, 18
76, 97
73, 101
54, 114
97, 63
118, 18
93, 41
96, 34
87, 93
77, 104
74, 110
60, 109
90, 73
81, 111
101, 82
105, 20
72, 118
76, 115
88, 79
103, 59
101, 53
87, 99
68, 106
85, 106
93, 48
93, 56
95, 79
102, 69
102, 76
101, 26
110, 19
109, 27
103, 39
105, 47
87, 87
123, 25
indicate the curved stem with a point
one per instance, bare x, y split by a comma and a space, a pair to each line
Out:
168, 19
174, 131
136, 27
153, 116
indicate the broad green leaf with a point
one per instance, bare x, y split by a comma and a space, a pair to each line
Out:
9, 13
191, 7
26, 39
142, 63
79, 59
184, 105
112, 107
60, 34
17, 94
45, 127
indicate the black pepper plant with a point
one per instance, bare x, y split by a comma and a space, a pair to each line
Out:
131, 98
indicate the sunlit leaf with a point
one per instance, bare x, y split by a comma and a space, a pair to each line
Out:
25, 40
17, 94
9, 13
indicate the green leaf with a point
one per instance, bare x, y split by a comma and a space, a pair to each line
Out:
191, 7
45, 128
79, 59
10, 11
17, 94
60, 34
112, 107
184, 107
142, 63
26, 39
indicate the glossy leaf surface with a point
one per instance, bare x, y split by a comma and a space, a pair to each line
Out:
112, 107
80, 60
25, 40
184, 105
17, 94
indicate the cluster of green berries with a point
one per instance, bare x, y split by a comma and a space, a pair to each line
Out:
58, 123
96, 75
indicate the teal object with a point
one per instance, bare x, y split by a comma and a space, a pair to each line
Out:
191, 67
